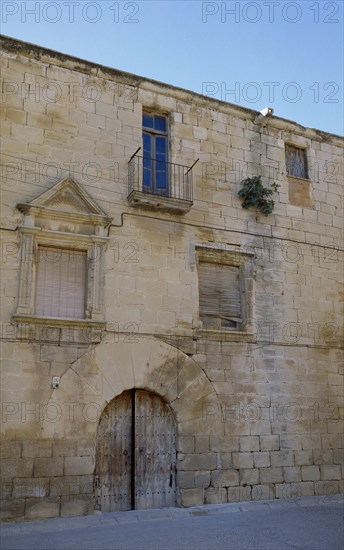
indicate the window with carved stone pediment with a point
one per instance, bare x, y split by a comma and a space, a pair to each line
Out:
63, 239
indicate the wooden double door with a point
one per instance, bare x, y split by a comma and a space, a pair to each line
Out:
136, 453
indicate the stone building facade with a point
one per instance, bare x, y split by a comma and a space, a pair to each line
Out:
161, 345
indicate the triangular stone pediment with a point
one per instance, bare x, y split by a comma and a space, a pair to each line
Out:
66, 196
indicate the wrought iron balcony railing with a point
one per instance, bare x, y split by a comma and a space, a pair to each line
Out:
160, 183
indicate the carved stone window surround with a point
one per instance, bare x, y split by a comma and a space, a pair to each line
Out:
74, 222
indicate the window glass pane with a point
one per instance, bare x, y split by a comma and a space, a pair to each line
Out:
147, 172
160, 145
147, 178
147, 145
161, 179
160, 123
147, 120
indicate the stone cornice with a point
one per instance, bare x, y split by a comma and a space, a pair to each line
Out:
61, 236
51, 213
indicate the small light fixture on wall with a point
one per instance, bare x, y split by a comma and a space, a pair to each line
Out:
263, 116
55, 382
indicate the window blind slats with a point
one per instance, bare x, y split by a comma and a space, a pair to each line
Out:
219, 291
60, 283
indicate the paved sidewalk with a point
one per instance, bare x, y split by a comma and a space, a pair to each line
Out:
312, 523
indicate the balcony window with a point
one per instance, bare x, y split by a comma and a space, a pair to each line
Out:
155, 154
154, 181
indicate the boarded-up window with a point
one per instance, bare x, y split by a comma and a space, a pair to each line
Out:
60, 283
296, 162
219, 296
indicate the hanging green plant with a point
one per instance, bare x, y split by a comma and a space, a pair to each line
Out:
256, 195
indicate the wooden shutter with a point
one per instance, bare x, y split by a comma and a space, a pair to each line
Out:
296, 162
219, 295
60, 283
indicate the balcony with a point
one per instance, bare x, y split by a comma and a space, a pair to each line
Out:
159, 184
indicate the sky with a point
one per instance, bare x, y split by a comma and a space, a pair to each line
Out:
283, 54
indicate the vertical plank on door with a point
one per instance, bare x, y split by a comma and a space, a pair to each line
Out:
113, 462
155, 452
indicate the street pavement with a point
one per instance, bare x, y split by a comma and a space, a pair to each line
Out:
309, 523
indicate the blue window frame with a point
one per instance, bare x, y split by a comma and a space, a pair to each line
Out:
155, 154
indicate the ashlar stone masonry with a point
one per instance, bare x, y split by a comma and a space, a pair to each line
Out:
248, 365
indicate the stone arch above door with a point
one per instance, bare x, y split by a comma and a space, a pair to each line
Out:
103, 373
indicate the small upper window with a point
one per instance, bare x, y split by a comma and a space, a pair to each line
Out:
296, 162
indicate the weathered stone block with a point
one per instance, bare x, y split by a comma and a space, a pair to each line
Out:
78, 465
11, 449
269, 443
215, 495
206, 461
288, 491
249, 443
64, 447
48, 467
271, 475
292, 474
14, 468
224, 460
202, 479
329, 472
261, 459
262, 492
323, 457
192, 497
186, 480
59, 354
338, 456
47, 508
71, 486
242, 460
226, 443
225, 478
290, 442
249, 476
331, 441
303, 458
327, 489
36, 448
299, 192
186, 444
202, 444
282, 458
311, 441
306, 488
12, 509
310, 473
77, 506
34, 488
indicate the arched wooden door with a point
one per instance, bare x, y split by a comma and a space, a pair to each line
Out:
136, 453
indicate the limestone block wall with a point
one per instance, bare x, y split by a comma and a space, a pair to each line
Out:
257, 417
